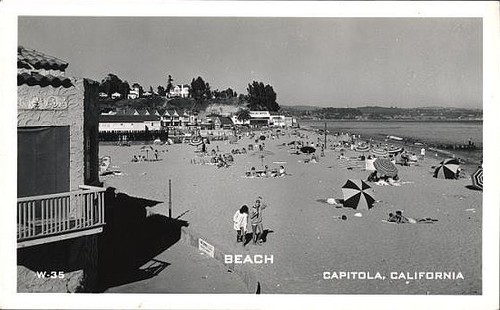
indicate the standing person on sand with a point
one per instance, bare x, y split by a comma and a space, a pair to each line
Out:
256, 220
240, 219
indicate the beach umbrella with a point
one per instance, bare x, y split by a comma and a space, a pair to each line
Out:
477, 178
385, 167
447, 169
146, 148
356, 195
362, 148
262, 154
196, 141
395, 150
307, 149
377, 151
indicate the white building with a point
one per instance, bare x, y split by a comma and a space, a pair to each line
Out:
276, 120
127, 123
116, 95
133, 94
236, 121
181, 90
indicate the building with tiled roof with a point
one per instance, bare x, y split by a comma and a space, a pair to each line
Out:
222, 122
37, 68
57, 174
32, 59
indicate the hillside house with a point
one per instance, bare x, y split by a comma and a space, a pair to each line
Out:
180, 91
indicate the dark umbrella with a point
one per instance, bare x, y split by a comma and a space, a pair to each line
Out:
385, 167
447, 169
477, 178
356, 195
262, 137
307, 149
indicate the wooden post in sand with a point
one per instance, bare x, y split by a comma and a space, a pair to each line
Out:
324, 146
169, 198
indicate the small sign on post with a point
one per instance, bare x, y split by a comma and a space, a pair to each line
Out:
206, 247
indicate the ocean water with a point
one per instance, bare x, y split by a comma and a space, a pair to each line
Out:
426, 132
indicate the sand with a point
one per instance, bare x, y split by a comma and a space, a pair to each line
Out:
305, 239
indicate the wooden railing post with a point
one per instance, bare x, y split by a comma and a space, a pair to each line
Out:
59, 213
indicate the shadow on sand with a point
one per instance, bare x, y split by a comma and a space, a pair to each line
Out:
131, 240
471, 187
263, 237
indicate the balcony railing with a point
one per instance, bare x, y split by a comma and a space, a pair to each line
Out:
61, 213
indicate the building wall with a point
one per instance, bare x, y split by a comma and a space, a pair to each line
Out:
129, 126
91, 127
74, 263
125, 126
50, 106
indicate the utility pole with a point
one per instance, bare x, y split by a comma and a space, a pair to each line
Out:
169, 198
324, 145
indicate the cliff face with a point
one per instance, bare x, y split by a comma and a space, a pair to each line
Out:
216, 108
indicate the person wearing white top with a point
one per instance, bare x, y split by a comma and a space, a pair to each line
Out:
240, 219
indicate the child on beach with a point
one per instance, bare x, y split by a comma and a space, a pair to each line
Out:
240, 223
256, 220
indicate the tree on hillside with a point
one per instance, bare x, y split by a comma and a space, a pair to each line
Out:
243, 115
124, 89
169, 84
139, 87
261, 97
161, 91
110, 84
199, 89
208, 92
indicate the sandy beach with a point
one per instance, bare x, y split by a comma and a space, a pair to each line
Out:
304, 236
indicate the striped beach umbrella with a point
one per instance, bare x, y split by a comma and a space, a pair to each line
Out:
477, 178
385, 167
447, 169
395, 150
380, 152
196, 141
356, 195
362, 148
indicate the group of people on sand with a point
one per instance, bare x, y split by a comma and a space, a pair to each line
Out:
267, 172
375, 177
253, 216
138, 158
399, 218
238, 151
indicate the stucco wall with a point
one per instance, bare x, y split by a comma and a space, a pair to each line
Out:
50, 106
73, 264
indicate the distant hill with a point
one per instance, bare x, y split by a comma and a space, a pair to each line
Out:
161, 103
299, 107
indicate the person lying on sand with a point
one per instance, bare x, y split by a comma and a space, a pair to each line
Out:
399, 218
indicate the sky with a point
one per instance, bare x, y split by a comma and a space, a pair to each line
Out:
328, 62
